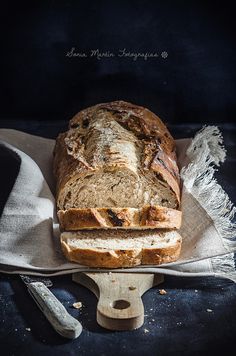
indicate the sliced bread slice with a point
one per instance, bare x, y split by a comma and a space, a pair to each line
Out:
147, 217
117, 249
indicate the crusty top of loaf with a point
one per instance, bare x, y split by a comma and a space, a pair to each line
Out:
157, 145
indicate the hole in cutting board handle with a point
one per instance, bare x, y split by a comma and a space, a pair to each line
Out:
120, 304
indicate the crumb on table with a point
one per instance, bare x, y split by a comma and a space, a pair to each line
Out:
77, 305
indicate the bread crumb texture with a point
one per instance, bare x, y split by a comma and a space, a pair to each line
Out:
116, 155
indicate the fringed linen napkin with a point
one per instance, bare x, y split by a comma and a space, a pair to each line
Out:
29, 234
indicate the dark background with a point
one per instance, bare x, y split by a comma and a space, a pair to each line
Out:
195, 83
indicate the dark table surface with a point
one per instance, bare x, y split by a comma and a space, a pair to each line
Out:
175, 323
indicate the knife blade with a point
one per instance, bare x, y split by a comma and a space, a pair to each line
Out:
52, 308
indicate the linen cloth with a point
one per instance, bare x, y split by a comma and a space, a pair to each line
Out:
29, 231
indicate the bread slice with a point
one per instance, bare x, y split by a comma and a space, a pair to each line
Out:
117, 249
116, 155
147, 217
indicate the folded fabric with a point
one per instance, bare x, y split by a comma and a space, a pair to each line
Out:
29, 231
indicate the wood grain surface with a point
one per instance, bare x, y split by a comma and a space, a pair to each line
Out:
120, 306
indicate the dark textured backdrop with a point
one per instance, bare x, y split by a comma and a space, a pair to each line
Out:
196, 82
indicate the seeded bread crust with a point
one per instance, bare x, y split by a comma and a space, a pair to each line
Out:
148, 217
119, 258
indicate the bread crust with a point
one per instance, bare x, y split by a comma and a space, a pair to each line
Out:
148, 217
104, 258
158, 147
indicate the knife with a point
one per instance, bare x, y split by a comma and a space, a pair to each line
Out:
54, 311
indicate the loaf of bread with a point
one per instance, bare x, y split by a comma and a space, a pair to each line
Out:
121, 248
116, 168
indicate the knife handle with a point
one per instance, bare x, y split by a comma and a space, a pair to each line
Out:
54, 311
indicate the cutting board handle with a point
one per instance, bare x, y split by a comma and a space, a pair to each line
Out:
120, 305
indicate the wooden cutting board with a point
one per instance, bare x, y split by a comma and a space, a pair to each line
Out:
120, 306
